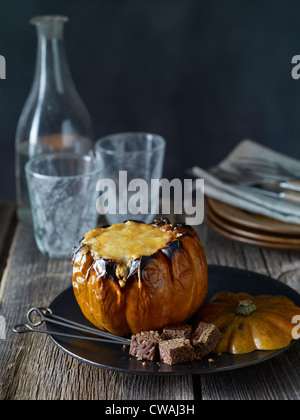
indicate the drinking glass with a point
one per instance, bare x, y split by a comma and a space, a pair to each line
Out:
130, 161
62, 191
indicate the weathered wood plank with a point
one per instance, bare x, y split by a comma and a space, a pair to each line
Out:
284, 266
8, 221
277, 379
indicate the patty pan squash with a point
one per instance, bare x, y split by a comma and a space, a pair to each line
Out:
250, 323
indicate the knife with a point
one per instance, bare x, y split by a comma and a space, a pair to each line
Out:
280, 190
293, 185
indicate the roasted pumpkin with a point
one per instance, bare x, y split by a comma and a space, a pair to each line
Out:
132, 276
250, 323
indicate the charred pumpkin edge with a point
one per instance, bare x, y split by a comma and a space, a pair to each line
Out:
106, 267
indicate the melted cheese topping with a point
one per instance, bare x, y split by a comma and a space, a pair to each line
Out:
128, 241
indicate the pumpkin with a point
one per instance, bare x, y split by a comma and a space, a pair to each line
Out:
132, 276
250, 323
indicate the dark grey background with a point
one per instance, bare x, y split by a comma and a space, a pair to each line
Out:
205, 74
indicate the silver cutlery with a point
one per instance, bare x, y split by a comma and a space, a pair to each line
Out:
264, 167
265, 184
250, 178
274, 190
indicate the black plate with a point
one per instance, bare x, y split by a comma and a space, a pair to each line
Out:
114, 357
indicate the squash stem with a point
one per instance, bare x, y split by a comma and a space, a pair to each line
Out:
245, 307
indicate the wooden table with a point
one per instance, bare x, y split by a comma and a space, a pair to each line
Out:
32, 367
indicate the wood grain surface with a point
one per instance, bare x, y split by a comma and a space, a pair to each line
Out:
33, 368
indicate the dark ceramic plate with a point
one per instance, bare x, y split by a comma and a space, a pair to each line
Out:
114, 357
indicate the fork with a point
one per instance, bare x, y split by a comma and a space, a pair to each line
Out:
249, 177
264, 167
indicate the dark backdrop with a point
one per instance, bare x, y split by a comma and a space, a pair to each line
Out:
205, 74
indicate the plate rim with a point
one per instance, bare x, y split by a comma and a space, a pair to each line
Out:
213, 204
251, 242
246, 233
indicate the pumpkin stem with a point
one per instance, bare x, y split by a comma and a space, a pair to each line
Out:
245, 307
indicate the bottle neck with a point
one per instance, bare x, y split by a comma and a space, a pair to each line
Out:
52, 71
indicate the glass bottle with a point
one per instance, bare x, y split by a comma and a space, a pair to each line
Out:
54, 118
